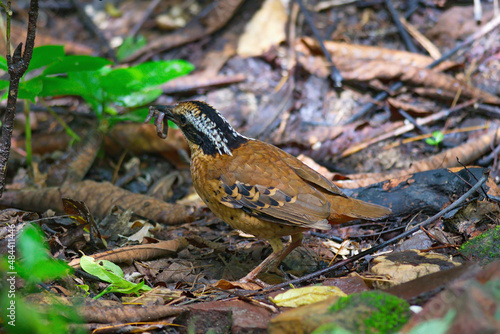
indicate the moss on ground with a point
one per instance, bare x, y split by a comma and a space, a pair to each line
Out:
484, 248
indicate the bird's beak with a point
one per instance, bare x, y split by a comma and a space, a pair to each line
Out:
159, 113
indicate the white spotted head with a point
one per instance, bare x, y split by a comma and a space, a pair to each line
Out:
204, 126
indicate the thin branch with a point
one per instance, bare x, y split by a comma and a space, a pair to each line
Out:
17, 66
334, 72
405, 36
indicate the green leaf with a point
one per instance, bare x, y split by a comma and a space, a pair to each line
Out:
36, 264
111, 273
3, 64
105, 270
30, 89
85, 288
77, 64
430, 141
122, 81
54, 317
57, 86
158, 72
4, 84
129, 46
84, 84
94, 93
138, 99
137, 115
31, 245
438, 136
46, 55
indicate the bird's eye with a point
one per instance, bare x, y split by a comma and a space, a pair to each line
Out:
182, 120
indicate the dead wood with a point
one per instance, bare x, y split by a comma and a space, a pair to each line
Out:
139, 252
100, 199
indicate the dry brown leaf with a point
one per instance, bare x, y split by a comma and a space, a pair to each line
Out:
100, 198
444, 85
139, 252
408, 265
200, 80
75, 165
265, 29
411, 108
472, 301
227, 285
142, 138
343, 53
127, 313
401, 128
373, 65
306, 295
456, 23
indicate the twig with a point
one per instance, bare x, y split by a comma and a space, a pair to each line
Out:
488, 110
334, 72
421, 39
407, 128
401, 29
472, 175
412, 120
487, 28
490, 157
17, 65
372, 250
413, 7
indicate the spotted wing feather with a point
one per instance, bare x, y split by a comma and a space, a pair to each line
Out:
274, 205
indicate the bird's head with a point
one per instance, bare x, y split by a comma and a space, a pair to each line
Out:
202, 125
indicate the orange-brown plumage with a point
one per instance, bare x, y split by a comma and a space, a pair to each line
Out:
256, 187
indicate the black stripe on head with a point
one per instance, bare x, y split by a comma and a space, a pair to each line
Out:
207, 128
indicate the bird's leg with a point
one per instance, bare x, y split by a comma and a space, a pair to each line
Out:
275, 258
294, 243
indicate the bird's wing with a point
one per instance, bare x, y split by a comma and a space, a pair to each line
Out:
271, 190
310, 175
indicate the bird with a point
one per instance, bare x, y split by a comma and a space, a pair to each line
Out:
256, 187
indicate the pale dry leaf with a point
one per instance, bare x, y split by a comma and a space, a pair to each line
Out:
307, 295
265, 29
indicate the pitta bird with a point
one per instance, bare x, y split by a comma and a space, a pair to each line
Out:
256, 187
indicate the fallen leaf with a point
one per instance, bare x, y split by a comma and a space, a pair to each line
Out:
307, 295
265, 29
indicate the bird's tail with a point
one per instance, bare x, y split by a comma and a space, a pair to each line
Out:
346, 209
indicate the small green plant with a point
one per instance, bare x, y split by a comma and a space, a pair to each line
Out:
129, 46
111, 273
106, 89
36, 265
436, 139
29, 259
